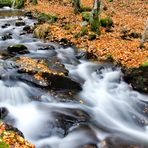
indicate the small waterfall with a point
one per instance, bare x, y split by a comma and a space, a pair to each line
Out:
14, 94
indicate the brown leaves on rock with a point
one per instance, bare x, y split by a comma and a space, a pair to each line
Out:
13, 139
36, 66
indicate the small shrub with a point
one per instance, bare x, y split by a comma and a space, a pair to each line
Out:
42, 17
106, 22
85, 16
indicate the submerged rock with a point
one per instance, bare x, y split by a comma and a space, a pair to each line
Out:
7, 36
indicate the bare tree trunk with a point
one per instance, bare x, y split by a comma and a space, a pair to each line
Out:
77, 7
144, 35
94, 16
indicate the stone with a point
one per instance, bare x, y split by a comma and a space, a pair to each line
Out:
28, 29
17, 49
137, 77
5, 25
29, 15
3, 112
7, 36
20, 22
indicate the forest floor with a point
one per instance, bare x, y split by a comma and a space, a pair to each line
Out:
129, 17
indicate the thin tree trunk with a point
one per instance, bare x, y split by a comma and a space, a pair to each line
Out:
144, 35
94, 16
77, 7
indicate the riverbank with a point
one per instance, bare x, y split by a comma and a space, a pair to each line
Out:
120, 42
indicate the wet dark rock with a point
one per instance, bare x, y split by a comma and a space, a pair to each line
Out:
86, 55
28, 29
3, 112
23, 33
90, 146
67, 119
85, 130
134, 35
137, 77
5, 25
50, 47
20, 22
29, 15
7, 36
65, 82
17, 49
65, 42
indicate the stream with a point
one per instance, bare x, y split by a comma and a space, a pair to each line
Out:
99, 111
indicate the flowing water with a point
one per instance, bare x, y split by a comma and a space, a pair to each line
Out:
105, 109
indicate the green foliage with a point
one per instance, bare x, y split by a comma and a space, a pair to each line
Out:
144, 64
19, 4
85, 16
3, 145
82, 32
94, 21
85, 8
51, 18
34, 2
92, 37
5, 3
105, 22
76, 5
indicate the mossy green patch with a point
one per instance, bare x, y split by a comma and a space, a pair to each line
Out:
51, 18
144, 64
105, 22
3, 145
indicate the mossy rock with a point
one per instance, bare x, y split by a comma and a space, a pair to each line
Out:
106, 22
17, 49
86, 16
51, 18
137, 77
83, 32
92, 37
5, 3
42, 31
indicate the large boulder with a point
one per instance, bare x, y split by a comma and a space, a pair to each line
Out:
46, 73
